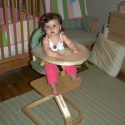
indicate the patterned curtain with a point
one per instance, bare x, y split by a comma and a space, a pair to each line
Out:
69, 9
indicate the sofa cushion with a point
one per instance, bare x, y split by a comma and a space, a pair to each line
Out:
107, 55
79, 35
72, 24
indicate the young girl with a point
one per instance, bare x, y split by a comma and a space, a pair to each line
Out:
53, 41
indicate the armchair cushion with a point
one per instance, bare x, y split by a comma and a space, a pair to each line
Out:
72, 24
84, 23
80, 35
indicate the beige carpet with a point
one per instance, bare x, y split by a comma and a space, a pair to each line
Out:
101, 98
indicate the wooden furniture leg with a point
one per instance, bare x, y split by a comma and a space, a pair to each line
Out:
62, 105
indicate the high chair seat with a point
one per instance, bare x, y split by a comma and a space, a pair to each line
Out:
36, 65
36, 42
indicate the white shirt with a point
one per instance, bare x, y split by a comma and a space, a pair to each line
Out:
58, 46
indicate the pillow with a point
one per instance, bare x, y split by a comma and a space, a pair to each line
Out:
107, 55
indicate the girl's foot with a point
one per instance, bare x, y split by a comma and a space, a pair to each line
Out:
76, 79
54, 92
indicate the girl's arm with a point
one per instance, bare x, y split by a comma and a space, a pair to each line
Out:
71, 45
49, 52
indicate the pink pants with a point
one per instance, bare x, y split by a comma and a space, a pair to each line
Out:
52, 72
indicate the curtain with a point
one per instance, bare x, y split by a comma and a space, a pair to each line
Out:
68, 9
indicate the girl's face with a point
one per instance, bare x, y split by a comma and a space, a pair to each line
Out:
52, 28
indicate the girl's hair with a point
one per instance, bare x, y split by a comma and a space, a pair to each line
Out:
45, 18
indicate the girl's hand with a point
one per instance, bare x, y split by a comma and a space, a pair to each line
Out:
59, 56
77, 52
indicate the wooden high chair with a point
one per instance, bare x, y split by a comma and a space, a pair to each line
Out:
64, 85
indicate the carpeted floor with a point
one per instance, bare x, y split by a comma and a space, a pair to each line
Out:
101, 98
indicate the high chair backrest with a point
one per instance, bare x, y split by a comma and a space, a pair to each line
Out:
37, 42
35, 38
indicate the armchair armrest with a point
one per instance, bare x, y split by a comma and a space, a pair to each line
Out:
89, 24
